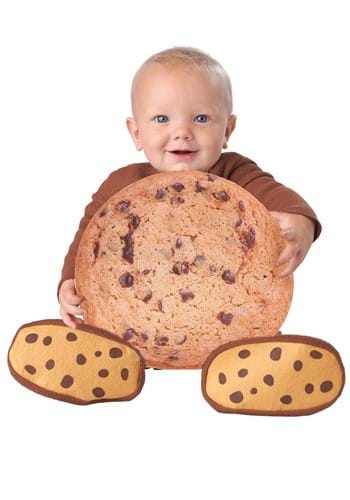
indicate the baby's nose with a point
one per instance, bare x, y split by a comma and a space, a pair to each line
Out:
182, 131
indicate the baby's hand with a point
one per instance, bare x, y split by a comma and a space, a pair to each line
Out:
298, 232
69, 301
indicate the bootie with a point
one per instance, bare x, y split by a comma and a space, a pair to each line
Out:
285, 375
82, 365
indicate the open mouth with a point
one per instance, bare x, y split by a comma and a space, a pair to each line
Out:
183, 153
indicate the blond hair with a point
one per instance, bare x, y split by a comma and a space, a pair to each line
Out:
191, 57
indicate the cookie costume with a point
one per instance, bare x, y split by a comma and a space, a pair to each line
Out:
258, 374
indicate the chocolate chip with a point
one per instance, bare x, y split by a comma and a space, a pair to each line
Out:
225, 318
161, 193
316, 354
31, 338
222, 378
103, 213
71, 337
172, 357
243, 372
244, 354
298, 365
81, 359
67, 381
286, 399
236, 397
124, 374
275, 354
181, 268
177, 186
178, 243
50, 364
103, 373
30, 369
128, 250
147, 297
177, 200
309, 388
228, 277
268, 380
253, 390
199, 188
221, 196
47, 340
186, 295
123, 206
129, 333
146, 271
144, 336
134, 221
162, 340
96, 249
326, 386
115, 352
248, 238
126, 280
241, 206
98, 392
98, 354
211, 178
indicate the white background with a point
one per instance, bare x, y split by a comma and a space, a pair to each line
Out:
66, 72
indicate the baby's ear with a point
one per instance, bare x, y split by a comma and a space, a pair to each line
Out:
134, 132
231, 123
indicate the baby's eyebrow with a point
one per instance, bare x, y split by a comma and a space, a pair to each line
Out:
207, 108
204, 109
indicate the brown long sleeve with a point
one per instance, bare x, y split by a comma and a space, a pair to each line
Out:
272, 194
232, 166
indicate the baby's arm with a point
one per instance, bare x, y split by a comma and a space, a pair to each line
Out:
66, 292
298, 232
298, 222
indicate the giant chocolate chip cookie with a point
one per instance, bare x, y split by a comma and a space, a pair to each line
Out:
180, 263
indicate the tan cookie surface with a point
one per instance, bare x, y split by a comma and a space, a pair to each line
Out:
288, 375
82, 365
179, 263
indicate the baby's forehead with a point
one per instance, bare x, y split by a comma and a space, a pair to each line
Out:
155, 73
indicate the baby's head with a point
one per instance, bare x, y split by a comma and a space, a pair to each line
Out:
181, 102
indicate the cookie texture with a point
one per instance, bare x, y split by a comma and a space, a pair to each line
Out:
287, 375
179, 263
82, 365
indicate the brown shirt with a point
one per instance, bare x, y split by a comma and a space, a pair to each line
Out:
232, 166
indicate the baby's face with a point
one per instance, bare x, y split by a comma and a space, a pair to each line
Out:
181, 118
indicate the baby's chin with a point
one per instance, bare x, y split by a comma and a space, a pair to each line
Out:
181, 166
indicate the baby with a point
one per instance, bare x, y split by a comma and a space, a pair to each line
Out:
182, 119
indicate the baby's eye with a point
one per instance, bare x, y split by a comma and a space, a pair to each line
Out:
161, 118
201, 118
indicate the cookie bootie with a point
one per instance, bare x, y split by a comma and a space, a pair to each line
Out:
81, 365
286, 375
